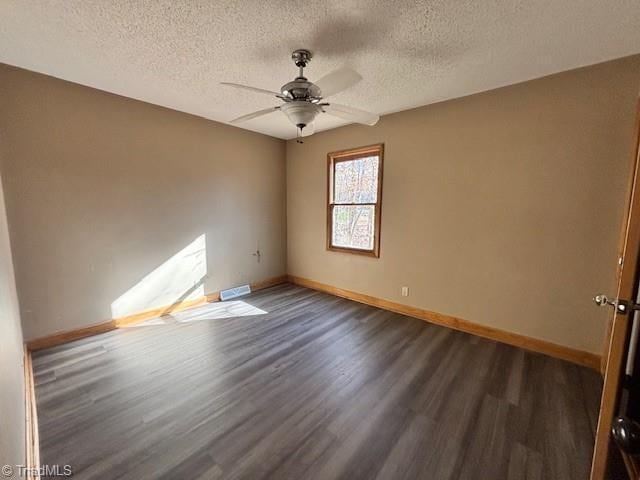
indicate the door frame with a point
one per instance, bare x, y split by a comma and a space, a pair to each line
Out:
633, 165
618, 329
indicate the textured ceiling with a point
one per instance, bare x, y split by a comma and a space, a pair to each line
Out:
175, 53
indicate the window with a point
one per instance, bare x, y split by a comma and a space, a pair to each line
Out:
354, 200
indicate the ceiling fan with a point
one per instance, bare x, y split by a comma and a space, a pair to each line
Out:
304, 100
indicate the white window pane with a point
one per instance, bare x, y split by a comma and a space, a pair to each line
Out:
353, 226
356, 181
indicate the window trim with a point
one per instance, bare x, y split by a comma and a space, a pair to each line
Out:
352, 154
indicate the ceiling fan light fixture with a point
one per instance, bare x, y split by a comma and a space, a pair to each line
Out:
300, 112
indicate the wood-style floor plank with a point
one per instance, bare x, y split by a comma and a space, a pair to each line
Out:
290, 383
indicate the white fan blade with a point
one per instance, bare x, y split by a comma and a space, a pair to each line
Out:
252, 89
337, 81
308, 130
351, 114
249, 116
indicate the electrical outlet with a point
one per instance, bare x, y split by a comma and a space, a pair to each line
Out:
405, 291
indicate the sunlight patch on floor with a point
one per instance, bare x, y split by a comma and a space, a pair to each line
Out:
218, 310
148, 323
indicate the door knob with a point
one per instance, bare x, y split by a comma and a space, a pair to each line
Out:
626, 434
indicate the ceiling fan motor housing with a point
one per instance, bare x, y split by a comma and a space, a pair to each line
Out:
300, 113
301, 89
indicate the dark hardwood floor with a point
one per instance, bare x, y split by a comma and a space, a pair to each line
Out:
317, 388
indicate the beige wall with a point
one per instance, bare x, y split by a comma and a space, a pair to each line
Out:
12, 401
502, 208
102, 190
